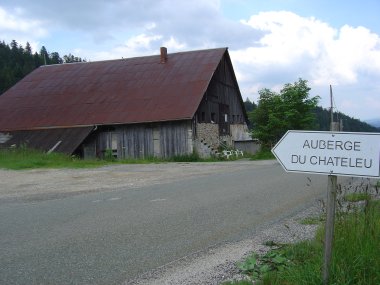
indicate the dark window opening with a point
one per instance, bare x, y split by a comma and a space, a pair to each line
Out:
213, 117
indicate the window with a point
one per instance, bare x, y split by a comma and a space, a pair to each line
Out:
213, 118
203, 116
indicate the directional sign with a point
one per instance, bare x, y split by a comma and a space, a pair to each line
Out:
333, 153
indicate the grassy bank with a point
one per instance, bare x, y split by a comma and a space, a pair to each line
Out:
355, 261
25, 158
263, 155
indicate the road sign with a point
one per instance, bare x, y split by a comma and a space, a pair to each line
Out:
332, 153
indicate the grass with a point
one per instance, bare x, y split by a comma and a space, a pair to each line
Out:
356, 253
25, 158
312, 220
356, 197
22, 158
263, 155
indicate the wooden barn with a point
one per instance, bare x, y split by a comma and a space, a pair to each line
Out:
161, 105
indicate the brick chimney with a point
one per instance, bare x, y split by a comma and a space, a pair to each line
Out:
164, 54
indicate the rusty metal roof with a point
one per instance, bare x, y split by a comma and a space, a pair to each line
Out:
124, 91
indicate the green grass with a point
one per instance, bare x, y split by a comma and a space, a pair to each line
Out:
25, 158
263, 155
312, 220
356, 254
22, 158
238, 282
356, 197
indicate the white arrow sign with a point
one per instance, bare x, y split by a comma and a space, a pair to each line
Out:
333, 153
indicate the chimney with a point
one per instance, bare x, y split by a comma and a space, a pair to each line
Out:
164, 54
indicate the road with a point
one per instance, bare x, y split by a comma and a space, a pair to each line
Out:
113, 234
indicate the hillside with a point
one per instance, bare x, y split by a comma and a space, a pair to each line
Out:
374, 122
349, 124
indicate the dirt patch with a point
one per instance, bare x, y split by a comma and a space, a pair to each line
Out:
48, 183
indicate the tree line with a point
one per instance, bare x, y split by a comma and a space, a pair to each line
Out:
293, 109
17, 61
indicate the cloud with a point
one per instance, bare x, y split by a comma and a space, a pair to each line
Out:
330, 54
293, 46
197, 23
352, 52
15, 26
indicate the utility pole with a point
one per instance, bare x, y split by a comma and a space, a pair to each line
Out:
331, 110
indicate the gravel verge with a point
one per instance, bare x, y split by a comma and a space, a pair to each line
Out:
217, 264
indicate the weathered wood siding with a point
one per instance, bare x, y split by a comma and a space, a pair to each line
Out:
136, 142
174, 139
222, 103
140, 141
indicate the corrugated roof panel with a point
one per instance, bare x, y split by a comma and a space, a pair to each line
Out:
64, 140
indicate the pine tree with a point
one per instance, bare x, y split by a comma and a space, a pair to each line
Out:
17, 61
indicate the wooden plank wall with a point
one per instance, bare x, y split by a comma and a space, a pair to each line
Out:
174, 139
136, 141
222, 90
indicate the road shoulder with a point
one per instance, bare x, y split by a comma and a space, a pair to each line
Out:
217, 264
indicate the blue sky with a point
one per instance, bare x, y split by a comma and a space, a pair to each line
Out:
271, 42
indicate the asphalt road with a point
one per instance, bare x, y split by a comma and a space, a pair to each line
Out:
108, 237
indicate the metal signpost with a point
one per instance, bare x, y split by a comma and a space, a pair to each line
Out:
331, 153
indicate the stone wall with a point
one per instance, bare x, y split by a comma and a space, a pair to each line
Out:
240, 132
248, 146
208, 133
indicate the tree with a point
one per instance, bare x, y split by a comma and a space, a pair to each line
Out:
71, 58
349, 124
276, 113
16, 62
55, 58
44, 56
249, 105
299, 106
14, 46
28, 49
267, 125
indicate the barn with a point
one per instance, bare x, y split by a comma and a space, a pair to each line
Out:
162, 105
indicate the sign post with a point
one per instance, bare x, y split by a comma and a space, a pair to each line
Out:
330, 153
329, 231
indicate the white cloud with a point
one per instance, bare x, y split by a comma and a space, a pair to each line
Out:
135, 46
330, 55
353, 51
15, 26
174, 45
287, 37
293, 46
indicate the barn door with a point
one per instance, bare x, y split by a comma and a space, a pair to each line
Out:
224, 115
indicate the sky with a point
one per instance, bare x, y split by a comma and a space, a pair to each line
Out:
271, 42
